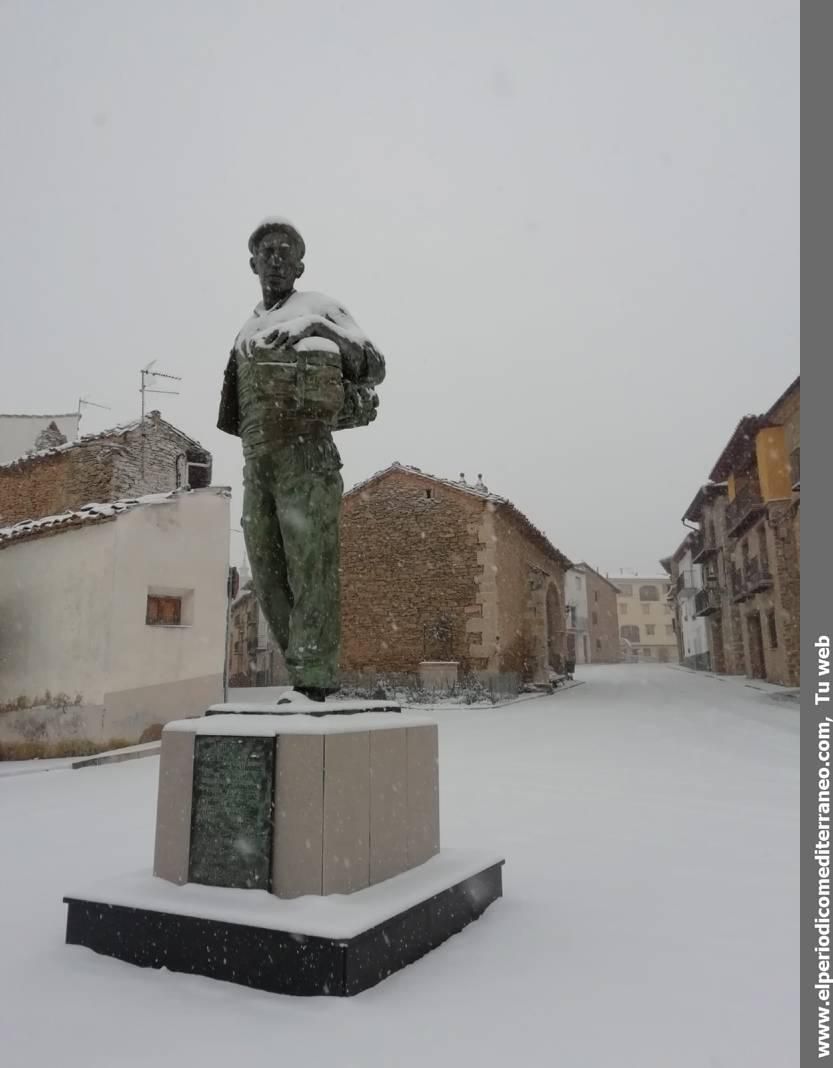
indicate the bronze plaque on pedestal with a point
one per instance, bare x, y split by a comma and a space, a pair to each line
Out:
231, 823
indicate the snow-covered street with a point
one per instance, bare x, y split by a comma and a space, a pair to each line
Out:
648, 819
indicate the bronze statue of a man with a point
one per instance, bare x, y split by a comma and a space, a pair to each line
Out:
300, 368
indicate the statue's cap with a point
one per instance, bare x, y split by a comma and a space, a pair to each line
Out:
276, 223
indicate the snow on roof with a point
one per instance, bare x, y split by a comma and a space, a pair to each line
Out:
88, 439
92, 513
38, 415
498, 503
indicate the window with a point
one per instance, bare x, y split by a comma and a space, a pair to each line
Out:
669, 630
630, 633
773, 631
646, 609
428, 493
650, 628
163, 611
171, 606
647, 650
595, 617
626, 590
595, 595
598, 643
762, 546
648, 593
623, 609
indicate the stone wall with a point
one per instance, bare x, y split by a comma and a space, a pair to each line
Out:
105, 468
56, 483
156, 461
525, 576
409, 565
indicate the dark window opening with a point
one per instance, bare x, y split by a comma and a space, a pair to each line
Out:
773, 630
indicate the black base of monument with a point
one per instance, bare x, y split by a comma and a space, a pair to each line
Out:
279, 961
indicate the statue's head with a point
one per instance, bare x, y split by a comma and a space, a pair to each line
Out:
277, 252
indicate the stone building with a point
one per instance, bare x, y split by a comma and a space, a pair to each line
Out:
113, 616
748, 541
127, 461
761, 467
437, 570
714, 601
254, 658
592, 617
646, 618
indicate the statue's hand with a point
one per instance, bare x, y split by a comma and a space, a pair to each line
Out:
374, 364
278, 339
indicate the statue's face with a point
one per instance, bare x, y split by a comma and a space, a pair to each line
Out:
277, 263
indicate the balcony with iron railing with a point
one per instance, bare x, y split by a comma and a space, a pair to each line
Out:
744, 509
795, 468
755, 577
707, 601
704, 546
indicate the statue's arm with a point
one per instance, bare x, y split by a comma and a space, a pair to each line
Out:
362, 361
228, 419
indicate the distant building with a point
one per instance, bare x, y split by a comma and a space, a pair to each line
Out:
714, 602
21, 434
748, 543
578, 632
113, 617
438, 570
254, 658
127, 461
592, 617
646, 619
693, 646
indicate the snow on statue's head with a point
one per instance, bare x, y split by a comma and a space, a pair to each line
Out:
277, 252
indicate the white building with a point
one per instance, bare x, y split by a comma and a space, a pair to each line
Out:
20, 434
113, 617
578, 633
693, 632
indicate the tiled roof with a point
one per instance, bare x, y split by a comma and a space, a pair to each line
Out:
89, 514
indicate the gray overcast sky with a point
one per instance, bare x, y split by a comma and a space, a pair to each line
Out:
572, 228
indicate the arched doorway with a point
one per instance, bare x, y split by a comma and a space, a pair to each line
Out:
555, 626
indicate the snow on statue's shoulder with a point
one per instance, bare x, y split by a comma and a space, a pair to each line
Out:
299, 312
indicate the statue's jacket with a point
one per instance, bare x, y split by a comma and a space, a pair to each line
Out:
272, 391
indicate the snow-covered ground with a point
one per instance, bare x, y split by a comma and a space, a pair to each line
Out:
648, 819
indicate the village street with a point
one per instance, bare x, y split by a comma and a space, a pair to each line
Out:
648, 818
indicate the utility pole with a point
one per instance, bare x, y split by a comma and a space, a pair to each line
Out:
88, 404
147, 374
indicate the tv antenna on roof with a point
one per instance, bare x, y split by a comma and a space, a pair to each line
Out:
149, 386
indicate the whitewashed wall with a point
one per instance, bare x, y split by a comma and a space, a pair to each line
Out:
695, 637
72, 619
18, 433
575, 593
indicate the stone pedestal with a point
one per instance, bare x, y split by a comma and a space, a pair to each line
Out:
297, 853
296, 805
